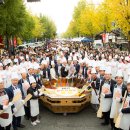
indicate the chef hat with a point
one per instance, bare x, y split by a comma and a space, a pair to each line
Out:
90, 64
32, 79
128, 81
52, 63
36, 67
21, 58
1, 64
80, 61
119, 74
93, 71
23, 71
27, 57
47, 59
16, 60
110, 57
102, 68
127, 58
30, 66
108, 70
116, 56
69, 59
102, 56
1, 80
75, 59
14, 75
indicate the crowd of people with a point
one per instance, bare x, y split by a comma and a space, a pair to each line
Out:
106, 69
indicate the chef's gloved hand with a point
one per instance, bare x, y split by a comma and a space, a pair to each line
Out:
23, 102
10, 103
5, 107
15, 110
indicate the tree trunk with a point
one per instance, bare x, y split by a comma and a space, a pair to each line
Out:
129, 46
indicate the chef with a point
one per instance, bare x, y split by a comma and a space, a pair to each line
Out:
5, 105
106, 93
53, 71
95, 88
13, 90
125, 120
118, 94
34, 103
25, 85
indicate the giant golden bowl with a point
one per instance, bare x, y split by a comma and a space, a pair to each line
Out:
65, 95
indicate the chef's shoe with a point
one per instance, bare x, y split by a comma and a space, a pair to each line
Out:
37, 121
34, 123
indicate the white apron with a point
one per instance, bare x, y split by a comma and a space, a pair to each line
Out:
53, 73
115, 105
106, 102
25, 85
5, 122
94, 97
125, 120
21, 111
34, 106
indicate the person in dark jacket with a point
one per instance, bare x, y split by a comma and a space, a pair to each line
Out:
125, 120
118, 94
106, 94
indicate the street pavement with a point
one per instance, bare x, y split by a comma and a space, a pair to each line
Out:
84, 120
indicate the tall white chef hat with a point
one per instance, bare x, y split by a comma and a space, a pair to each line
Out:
1, 64
108, 70
102, 67
37, 66
32, 79
128, 81
52, 63
16, 60
69, 59
14, 76
127, 58
93, 71
119, 73
30, 66
23, 71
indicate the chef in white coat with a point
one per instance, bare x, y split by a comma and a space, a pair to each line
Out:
18, 111
125, 120
118, 94
34, 102
106, 94
53, 71
5, 105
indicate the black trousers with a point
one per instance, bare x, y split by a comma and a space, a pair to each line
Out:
34, 118
27, 112
106, 116
6, 128
16, 122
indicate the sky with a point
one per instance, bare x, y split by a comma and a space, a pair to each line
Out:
60, 11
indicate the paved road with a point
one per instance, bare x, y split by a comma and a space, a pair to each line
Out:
85, 120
